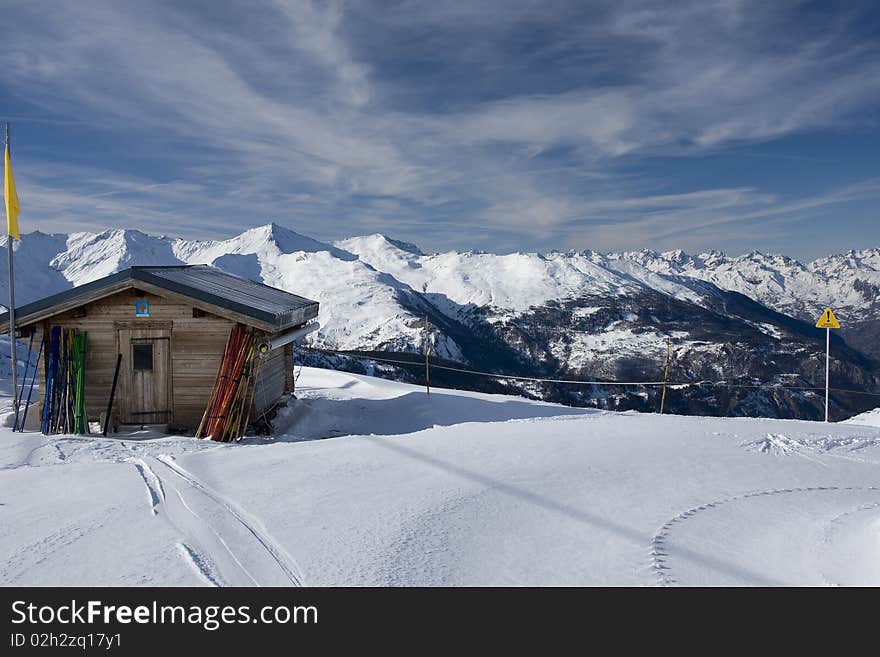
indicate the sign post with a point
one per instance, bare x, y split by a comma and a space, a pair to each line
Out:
827, 321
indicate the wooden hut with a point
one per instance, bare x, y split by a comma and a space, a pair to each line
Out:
171, 326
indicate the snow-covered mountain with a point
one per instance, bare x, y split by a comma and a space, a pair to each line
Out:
578, 314
849, 282
361, 308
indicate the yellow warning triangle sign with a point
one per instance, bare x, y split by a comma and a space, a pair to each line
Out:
828, 320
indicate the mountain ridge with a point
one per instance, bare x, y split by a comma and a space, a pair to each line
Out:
579, 314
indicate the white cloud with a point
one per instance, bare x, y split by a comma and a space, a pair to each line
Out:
280, 111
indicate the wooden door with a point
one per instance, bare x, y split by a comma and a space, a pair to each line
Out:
146, 368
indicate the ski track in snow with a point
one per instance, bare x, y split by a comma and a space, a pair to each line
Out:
253, 527
214, 535
198, 564
659, 552
195, 534
209, 523
155, 491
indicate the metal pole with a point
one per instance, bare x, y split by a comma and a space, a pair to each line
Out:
12, 310
827, 367
27, 366
427, 363
665, 375
27, 403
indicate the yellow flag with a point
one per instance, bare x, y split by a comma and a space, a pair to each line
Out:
11, 197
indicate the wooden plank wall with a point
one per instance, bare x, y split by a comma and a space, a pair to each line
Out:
197, 347
270, 381
288, 369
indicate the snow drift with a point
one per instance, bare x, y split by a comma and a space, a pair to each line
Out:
448, 489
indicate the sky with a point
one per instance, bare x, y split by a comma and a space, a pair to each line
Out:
497, 125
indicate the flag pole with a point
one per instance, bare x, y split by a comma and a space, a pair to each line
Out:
12, 311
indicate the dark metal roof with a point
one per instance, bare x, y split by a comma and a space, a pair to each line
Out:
274, 308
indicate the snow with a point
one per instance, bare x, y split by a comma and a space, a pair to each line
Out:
777, 281
368, 481
89, 256
771, 330
373, 288
868, 418
674, 286
332, 404
514, 282
451, 488
585, 348
585, 311
361, 308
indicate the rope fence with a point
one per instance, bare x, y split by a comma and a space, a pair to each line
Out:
671, 384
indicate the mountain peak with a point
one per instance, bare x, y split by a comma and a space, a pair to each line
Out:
382, 239
404, 246
286, 241
381, 247
272, 232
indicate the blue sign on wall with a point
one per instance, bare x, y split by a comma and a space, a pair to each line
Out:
142, 308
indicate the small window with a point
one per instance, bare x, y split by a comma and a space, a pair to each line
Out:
198, 312
142, 356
